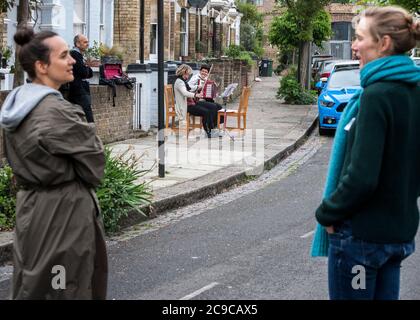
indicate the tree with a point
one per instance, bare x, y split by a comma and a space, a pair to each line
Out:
285, 34
302, 22
251, 35
321, 28
24, 8
250, 13
6, 5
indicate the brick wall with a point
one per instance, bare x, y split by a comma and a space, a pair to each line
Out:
3, 31
177, 36
192, 36
341, 12
227, 71
126, 28
147, 18
269, 11
112, 123
167, 27
217, 32
204, 34
224, 29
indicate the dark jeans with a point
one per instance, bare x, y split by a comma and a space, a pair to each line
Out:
213, 107
85, 102
208, 111
363, 270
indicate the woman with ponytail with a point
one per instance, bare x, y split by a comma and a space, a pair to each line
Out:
369, 216
57, 159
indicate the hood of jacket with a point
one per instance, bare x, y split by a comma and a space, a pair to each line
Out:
20, 102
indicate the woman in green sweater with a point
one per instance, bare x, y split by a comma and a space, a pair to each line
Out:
370, 208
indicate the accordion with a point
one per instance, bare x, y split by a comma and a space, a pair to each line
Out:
209, 90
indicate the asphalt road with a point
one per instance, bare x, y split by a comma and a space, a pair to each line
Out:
252, 242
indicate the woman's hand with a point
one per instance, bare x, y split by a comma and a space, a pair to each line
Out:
199, 95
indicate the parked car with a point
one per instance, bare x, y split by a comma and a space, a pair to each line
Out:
316, 62
325, 69
330, 66
336, 93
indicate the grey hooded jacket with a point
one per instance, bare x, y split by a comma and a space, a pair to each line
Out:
20, 102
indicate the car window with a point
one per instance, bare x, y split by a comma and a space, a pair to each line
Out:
344, 78
328, 66
343, 66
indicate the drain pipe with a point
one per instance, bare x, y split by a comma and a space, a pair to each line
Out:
141, 32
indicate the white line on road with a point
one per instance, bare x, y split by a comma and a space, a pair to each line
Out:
306, 235
200, 291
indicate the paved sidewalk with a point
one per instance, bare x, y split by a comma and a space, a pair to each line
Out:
200, 167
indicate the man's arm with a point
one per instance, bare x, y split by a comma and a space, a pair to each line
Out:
80, 70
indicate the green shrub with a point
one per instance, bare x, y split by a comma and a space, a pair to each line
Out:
120, 192
245, 56
7, 199
280, 67
233, 51
258, 51
292, 92
93, 52
237, 52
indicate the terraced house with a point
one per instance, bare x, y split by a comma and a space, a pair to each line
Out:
95, 18
193, 28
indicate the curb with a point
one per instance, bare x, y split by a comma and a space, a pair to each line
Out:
160, 206
6, 252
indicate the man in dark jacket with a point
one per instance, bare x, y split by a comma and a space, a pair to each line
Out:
79, 92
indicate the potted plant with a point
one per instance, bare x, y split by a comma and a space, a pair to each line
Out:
93, 55
6, 54
114, 53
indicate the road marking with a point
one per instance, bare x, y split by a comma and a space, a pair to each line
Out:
306, 235
200, 291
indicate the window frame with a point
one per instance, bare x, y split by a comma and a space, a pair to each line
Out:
102, 12
83, 26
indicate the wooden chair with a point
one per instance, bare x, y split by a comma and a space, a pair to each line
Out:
170, 106
171, 114
240, 113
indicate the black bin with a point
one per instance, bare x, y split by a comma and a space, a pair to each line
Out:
266, 68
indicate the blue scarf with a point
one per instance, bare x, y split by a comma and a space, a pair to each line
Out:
391, 68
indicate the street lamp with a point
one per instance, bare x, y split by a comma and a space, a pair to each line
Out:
161, 111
